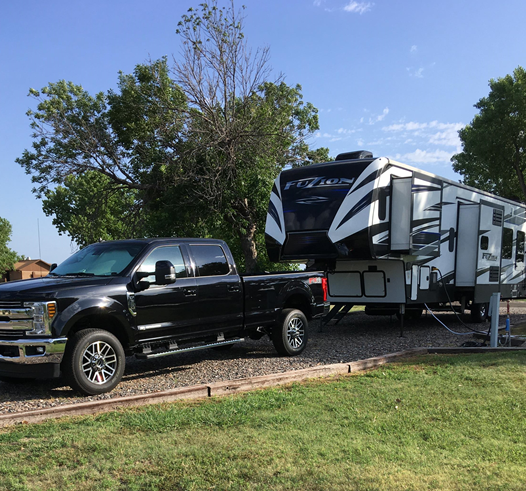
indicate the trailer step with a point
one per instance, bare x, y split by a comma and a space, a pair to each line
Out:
144, 356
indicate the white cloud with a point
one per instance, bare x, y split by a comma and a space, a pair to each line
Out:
406, 127
413, 49
448, 138
444, 137
416, 72
425, 157
358, 7
380, 117
344, 131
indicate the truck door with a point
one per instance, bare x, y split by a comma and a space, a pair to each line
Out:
166, 310
219, 289
489, 250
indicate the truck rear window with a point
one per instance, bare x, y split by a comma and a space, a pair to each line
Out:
210, 260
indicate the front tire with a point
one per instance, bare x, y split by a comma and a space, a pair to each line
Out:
290, 335
94, 362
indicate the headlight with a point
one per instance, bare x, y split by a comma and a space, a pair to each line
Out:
43, 314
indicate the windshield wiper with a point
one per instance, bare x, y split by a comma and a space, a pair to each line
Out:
80, 274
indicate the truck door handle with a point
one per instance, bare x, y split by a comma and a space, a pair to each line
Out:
233, 288
190, 292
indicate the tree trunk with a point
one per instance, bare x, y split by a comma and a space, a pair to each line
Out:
248, 246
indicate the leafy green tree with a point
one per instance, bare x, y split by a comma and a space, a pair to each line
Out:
494, 143
193, 149
89, 207
8, 257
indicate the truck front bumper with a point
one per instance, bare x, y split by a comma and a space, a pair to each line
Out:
37, 358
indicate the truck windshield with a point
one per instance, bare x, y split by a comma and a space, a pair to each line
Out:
103, 259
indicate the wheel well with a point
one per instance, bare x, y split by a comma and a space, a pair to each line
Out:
299, 302
104, 322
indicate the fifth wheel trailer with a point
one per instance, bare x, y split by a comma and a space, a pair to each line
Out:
393, 237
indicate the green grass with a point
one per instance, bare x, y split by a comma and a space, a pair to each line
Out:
440, 422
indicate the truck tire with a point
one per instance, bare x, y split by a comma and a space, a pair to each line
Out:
479, 312
290, 335
94, 362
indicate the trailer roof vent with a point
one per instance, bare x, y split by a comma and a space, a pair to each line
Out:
356, 155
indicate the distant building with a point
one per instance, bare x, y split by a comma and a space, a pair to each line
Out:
29, 268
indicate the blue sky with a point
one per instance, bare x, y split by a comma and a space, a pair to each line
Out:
397, 77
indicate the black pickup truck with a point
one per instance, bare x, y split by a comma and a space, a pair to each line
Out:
148, 298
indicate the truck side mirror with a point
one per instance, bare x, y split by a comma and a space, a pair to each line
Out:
164, 273
53, 266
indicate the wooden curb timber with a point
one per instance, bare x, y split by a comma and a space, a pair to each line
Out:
225, 388
95, 407
246, 384
357, 366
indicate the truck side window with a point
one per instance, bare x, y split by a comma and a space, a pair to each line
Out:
166, 253
519, 254
210, 260
507, 242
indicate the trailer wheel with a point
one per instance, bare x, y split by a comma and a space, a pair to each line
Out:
479, 312
94, 362
290, 335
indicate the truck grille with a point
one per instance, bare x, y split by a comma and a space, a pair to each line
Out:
11, 334
15, 304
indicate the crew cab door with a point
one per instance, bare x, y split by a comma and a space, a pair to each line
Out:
219, 290
167, 310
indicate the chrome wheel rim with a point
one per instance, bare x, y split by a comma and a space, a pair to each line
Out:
99, 362
295, 332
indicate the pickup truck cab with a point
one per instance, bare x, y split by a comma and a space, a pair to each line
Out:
148, 298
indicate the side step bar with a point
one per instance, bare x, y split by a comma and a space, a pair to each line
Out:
144, 356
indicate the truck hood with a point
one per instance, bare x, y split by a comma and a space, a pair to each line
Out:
47, 287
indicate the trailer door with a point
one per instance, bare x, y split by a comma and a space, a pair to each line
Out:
467, 234
489, 249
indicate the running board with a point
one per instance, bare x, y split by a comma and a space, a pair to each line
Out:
144, 356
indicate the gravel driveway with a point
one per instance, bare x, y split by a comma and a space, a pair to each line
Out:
356, 337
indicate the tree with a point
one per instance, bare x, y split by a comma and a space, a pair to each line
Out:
494, 143
244, 129
8, 258
195, 148
89, 207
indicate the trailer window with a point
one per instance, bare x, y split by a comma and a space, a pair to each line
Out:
507, 243
484, 243
519, 255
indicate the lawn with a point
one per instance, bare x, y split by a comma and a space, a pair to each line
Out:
436, 422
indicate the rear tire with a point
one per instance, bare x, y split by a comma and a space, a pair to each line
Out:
291, 334
94, 362
479, 312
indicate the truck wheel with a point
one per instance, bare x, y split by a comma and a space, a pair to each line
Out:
94, 361
290, 335
479, 312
